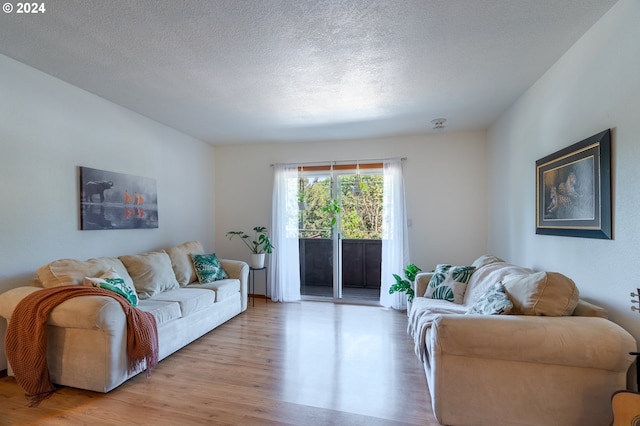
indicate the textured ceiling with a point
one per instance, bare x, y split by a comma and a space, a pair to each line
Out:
230, 71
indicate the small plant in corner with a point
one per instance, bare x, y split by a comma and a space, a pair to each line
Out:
260, 243
404, 285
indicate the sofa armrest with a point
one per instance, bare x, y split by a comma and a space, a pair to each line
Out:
589, 342
421, 283
90, 312
239, 270
235, 268
10, 299
586, 309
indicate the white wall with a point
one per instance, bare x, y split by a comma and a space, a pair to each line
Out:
445, 179
47, 129
594, 86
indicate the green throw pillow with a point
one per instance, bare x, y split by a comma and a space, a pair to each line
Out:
453, 287
494, 302
110, 280
208, 268
439, 275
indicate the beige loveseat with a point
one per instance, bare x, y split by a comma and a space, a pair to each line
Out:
552, 360
86, 345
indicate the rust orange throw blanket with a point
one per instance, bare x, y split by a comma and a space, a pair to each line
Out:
26, 340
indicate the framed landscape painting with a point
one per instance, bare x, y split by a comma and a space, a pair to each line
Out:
573, 190
111, 200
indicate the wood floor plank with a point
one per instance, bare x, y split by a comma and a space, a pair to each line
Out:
307, 363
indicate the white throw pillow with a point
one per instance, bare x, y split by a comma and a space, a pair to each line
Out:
494, 302
110, 280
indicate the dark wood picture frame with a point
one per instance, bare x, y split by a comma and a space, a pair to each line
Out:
573, 190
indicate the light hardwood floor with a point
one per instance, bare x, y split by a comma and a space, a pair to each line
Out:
307, 363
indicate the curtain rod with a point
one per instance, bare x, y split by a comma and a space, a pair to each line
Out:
335, 162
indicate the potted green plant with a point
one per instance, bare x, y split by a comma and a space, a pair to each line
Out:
302, 199
406, 285
333, 210
302, 204
259, 245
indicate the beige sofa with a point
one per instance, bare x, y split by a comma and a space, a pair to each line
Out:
86, 345
552, 360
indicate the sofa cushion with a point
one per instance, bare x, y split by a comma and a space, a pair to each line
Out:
73, 272
493, 302
208, 268
223, 288
151, 273
181, 261
189, 301
454, 285
543, 293
487, 259
111, 281
162, 311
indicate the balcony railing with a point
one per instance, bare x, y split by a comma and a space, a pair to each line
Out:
361, 260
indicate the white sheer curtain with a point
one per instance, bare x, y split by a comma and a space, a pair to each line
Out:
284, 262
395, 243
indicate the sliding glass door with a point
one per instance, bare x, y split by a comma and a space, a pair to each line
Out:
360, 236
340, 253
315, 191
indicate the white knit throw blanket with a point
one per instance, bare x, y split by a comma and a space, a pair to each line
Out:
420, 321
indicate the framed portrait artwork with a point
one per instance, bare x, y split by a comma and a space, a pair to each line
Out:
573, 190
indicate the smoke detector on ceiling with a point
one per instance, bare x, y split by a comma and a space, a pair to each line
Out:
438, 123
